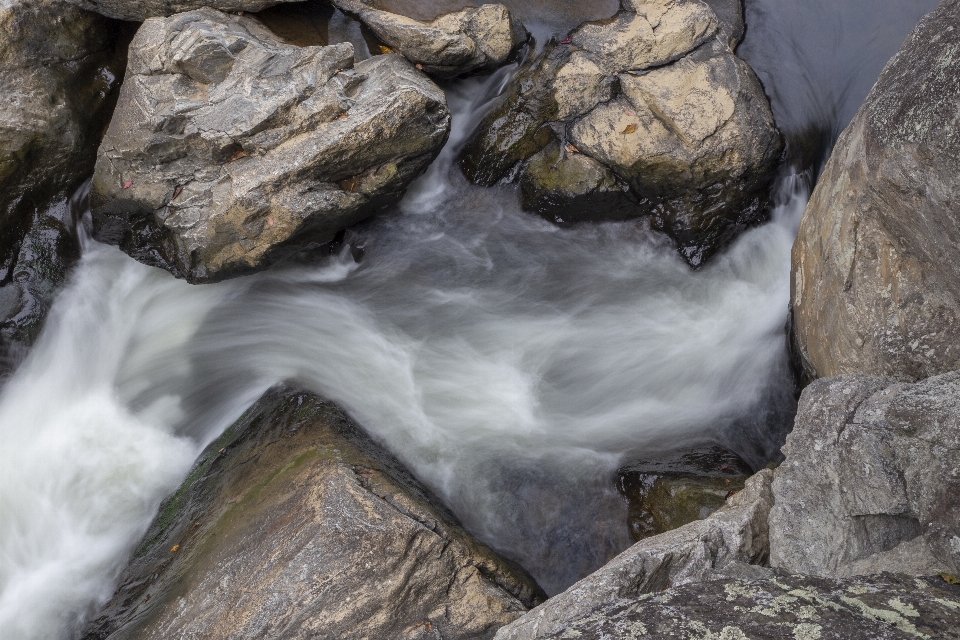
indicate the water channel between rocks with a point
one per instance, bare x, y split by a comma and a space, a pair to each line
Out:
511, 364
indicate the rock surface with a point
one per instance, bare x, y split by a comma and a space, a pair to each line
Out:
663, 111
727, 542
295, 525
230, 149
59, 68
472, 39
782, 607
140, 10
876, 262
872, 479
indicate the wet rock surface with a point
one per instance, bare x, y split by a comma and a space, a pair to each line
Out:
140, 10
469, 40
670, 490
231, 149
872, 479
876, 262
782, 607
656, 96
295, 525
727, 543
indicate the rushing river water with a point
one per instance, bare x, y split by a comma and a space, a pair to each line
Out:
509, 363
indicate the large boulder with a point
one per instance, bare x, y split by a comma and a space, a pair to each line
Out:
876, 262
140, 10
872, 479
649, 112
59, 68
230, 149
294, 524
729, 542
472, 39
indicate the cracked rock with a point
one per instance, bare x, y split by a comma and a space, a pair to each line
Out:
140, 10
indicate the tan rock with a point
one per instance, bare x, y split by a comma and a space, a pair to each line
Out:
140, 10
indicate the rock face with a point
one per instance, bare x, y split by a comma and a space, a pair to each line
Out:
59, 68
473, 39
230, 149
652, 112
295, 525
876, 263
782, 607
725, 543
872, 479
140, 10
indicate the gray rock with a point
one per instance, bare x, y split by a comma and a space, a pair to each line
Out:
876, 262
294, 524
733, 536
657, 97
230, 149
140, 10
473, 39
782, 607
871, 481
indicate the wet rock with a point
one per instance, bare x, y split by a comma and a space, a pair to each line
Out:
782, 607
657, 96
876, 262
230, 149
668, 490
726, 543
472, 39
140, 10
871, 480
294, 524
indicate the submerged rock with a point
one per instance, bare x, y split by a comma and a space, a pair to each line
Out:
140, 10
655, 96
294, 524
726, 543
872, 479
230, 149
472, 39
876, 262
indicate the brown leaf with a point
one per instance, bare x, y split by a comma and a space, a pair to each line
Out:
949, 578
572, 149
177, 191
350, 185
237, 155
175, 548
630, 128
731, 493
385, 50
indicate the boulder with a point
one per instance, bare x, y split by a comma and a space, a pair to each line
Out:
59, 68
230, 149
781, 607
294, 524
871, 480
726, 543
666, 116
472, 39
876, 262
140, 10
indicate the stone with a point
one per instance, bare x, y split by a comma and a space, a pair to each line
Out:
727, 542
140, 10
470, 40
230, 150
658, 98
782, 607
871, 480
60, 67
876, 262
294, 524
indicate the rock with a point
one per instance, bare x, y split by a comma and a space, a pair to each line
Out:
59, 67
465, 41
871, 480
728, 541
782, 607
876, 262
230, 149
668, 490
140, 10
294, 524
657, 98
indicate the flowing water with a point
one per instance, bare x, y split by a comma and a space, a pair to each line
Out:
511, 364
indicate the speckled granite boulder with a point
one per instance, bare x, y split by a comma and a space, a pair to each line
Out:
140, 10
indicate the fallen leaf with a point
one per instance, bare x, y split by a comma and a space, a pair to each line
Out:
342, 115
566, 41
572, 149
349, 185
385, 50
128, 184
237, 155
731, 493
175, 548
630, 128
269, 221
419, 66
949, 578
177, 191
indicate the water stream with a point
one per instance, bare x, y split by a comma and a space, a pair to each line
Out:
509, 363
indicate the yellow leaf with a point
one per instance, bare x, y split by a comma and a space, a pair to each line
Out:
630, 128
949, 578
175, 548
385, 50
